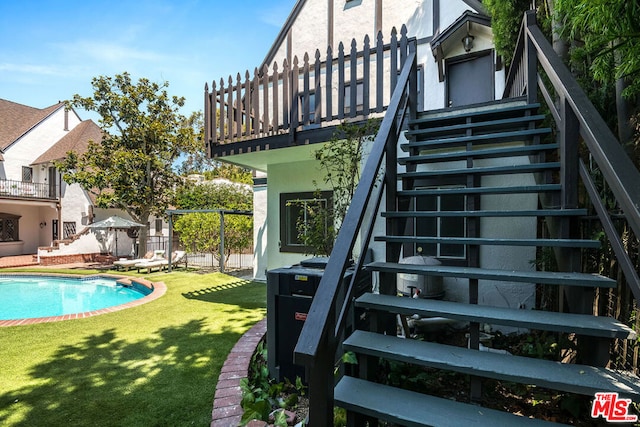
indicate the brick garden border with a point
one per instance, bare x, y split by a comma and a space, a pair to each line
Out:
227, 411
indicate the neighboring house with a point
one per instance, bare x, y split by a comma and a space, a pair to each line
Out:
38, 209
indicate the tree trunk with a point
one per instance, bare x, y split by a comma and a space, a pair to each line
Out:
143, 235
560, 46
624, 110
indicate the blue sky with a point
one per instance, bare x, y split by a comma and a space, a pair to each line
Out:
50, 50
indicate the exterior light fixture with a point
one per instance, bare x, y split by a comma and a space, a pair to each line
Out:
467, 42
43, 224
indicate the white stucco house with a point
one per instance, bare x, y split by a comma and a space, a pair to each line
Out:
457, 66
39, 212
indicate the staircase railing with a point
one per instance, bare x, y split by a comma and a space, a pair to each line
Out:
578, 120
319, 340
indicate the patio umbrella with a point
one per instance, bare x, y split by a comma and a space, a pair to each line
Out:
116, 223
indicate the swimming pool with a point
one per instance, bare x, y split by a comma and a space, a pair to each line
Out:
57, 297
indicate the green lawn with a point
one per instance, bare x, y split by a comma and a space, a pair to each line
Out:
151, 365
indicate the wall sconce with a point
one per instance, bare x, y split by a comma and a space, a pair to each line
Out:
43, 224
467, 42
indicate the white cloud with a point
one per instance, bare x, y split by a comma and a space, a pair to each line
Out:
109, 52
29, 69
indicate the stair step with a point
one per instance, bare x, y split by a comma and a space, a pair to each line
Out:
519, 135
490, 170
539, 277
520, 122
487, 213
571, 378
516, 189
463, 113
582, 324
413, 409
477, 154
552, 243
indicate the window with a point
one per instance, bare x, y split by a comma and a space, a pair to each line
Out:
27, 174
68, 229
294, 209
441, 226
158, 225
9, 227
359, 97
312, 107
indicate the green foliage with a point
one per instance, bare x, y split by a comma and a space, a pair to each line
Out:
262, 397
506, 17
231, 172
195, 160
609, 34
143, 134
228, 196
201, 231
341, 160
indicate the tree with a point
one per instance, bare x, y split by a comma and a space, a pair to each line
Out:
605, 37
143, 134
196, 160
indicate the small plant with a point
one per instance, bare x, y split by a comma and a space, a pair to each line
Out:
263, 398
341, 161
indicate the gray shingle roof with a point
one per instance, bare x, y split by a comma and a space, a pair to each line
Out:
17, 119
76, 140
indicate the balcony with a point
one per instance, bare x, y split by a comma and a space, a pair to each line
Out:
300, 102
27, 190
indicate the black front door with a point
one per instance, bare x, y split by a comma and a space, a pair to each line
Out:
470, 79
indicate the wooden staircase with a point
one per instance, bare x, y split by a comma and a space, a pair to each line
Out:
449, 152
483, 189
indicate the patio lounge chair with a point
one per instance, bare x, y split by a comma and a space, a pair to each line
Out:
157, 261
126, 264
178, 257
151, 264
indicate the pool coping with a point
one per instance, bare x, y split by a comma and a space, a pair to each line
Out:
158, 290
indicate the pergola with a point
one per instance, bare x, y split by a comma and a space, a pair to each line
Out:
221, 212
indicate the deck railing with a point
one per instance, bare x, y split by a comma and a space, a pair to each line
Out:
32, 190
349, 83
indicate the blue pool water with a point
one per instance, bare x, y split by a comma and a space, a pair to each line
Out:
44, 296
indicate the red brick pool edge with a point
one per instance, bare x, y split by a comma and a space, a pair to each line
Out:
159, 289
227, 411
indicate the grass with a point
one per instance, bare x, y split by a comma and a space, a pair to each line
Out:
152, 365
